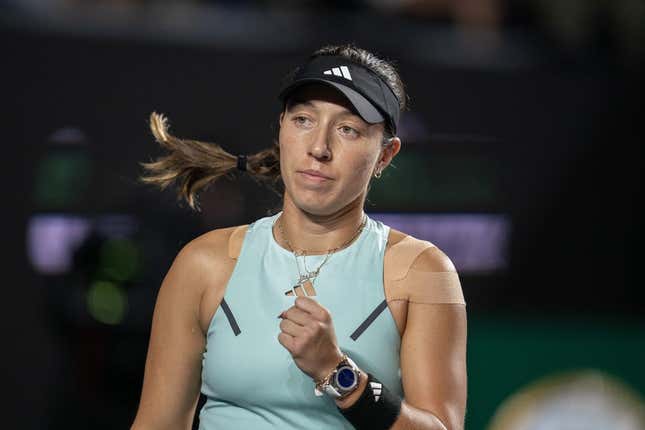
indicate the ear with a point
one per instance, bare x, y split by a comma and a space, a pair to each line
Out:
388, 153
281, 118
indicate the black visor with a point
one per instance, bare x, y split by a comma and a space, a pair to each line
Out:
372, 98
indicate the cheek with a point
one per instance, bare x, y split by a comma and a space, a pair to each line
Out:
283, 141
361, 169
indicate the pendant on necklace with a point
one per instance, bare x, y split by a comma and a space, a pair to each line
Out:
303, 288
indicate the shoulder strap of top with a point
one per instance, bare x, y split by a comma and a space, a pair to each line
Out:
235, 241
401, 282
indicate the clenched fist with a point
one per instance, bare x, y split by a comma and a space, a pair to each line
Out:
307, 332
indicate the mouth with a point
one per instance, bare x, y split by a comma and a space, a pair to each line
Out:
313, 175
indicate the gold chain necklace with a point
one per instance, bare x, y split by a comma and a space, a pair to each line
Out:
305, 281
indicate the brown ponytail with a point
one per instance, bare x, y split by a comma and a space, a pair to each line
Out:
194, 165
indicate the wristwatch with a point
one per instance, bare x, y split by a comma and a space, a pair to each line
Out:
341, 382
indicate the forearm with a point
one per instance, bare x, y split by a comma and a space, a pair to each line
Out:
410, 418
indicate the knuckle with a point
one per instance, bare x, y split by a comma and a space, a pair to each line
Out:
312, 328
297, 348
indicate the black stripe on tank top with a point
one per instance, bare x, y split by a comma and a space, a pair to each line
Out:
370, 319
231, 318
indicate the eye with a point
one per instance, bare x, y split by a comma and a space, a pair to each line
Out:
300, 120
349, 131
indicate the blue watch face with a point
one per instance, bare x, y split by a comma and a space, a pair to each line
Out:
345, 377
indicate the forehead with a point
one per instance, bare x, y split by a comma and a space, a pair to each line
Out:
319, 92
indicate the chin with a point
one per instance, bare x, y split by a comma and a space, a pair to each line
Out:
312, 204
320, 204
315, 209
318, 207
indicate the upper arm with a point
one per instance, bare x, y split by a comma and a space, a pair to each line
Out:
172, 376
433, 346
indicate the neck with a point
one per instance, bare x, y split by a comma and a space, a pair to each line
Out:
317, 234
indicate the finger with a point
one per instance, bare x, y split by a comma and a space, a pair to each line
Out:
298, 316
311, 306
291, 328
286, 340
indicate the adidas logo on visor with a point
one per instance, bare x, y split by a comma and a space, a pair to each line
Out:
341, 71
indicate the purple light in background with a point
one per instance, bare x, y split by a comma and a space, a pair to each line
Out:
476, 243
52, 240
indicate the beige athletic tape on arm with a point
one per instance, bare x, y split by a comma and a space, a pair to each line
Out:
235, 241
414, 285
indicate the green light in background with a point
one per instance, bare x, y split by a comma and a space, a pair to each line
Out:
422, 181
107, 302
62, 179
120, 260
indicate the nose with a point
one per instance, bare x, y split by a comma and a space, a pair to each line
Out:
319, 147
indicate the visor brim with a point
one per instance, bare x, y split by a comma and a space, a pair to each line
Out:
363, 106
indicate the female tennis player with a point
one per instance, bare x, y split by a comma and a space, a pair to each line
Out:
317, 317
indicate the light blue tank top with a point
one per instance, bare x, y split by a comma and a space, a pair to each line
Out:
249, 379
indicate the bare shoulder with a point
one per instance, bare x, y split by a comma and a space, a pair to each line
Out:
214, 255
394, 237
173, 364
416, 271
212, 243
433, 259
208, 253
430, 259
200, 263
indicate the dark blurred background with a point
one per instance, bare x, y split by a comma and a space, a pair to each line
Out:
522, 159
